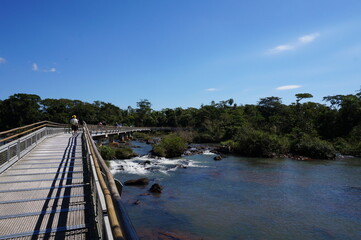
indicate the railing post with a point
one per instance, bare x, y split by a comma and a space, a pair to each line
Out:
18, 149
8, 153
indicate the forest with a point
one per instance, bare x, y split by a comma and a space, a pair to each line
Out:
266, 129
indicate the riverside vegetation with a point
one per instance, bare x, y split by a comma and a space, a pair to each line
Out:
266, 129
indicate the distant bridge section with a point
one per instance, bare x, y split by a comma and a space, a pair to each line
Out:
105, 131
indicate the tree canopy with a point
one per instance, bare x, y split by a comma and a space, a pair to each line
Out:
268, 123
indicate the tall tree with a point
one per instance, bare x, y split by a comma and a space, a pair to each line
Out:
20, 109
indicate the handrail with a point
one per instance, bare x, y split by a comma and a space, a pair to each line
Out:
13, 150
47, 124
30, 125
121, 225
19, 128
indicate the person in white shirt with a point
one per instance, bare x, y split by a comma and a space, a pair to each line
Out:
74, 124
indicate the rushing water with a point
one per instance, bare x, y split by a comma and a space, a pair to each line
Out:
243, 198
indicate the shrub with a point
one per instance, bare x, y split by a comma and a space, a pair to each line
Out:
313, 147
186, 135
108, 153
170, 146
342, 146
350, 147
356, 150
159, 150
256, 143
141, 135
204, 137
230, 143
123, 153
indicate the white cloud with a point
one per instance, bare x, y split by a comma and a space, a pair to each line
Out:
291, 46
288, 87
281, 48
2, 60
50, 70
211, 89
35, 67
308, 38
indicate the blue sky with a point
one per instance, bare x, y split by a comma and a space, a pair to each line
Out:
179, 53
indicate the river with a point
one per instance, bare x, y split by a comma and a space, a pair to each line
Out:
243, 198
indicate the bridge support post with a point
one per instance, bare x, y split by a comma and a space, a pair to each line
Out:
126, 137
122, 137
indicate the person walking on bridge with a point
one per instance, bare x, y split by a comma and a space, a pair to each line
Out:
74, 124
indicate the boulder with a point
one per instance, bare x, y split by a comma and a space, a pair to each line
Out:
181, 166
217, 158
156, 188
140, 181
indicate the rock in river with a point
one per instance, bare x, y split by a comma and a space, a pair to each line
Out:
217, 158
156, 188
140, 181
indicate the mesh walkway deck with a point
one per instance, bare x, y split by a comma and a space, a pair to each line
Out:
46, 195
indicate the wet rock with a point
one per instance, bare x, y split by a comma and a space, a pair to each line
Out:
217, 158
224, 149
215, 152
181, 166
137, 182
301, 158
156, 188
132, 155
121, 167
187, 153
144, 194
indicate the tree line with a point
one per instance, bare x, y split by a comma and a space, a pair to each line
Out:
263, 129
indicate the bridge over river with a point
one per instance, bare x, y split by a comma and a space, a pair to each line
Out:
55, 185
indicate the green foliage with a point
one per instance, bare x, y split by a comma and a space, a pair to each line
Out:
349, 147
301, 96
257, 130
355, 134
342, 146
170, 146
313, 147
141, 135
108, 153
257, 143
159, 150
356, 150
123, 153
188, 136
20, 109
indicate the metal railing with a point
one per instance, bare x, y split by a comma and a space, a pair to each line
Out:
10, 135
96, 130
112, 218
12, 151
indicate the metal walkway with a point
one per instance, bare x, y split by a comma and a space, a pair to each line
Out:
47, 194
